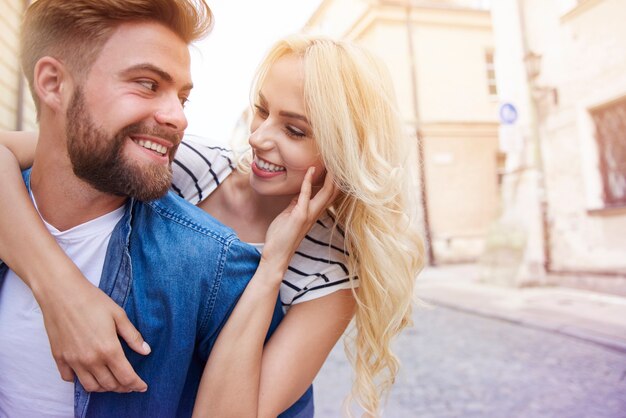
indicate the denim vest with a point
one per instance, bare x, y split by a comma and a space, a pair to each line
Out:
178, 274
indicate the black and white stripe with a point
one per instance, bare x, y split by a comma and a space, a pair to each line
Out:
319, 266
199, 169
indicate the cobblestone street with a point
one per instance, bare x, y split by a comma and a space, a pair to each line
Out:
456, 364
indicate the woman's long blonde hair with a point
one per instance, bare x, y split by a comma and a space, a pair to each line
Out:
352, 110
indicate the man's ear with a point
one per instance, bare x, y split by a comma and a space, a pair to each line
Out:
52, 82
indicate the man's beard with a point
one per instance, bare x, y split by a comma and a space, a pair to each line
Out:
98, 158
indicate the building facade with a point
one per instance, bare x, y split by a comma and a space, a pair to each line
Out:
440, 54
563, 63
17, 111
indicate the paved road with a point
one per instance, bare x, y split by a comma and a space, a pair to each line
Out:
456, 364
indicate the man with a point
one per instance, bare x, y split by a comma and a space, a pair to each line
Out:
109, 79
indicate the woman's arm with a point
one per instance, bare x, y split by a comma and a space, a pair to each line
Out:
263, 382
242, 379
81, 321
22, 145
298, 348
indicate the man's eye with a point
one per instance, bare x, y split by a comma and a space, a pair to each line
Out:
149, 84
184, 101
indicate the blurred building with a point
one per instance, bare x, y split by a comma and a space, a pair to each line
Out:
562, 65
440, 54
17, 110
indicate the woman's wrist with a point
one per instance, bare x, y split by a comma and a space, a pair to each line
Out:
47, 278
270, 273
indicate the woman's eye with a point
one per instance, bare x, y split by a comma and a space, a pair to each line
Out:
293, 131
149, 84
261, 111
184, 101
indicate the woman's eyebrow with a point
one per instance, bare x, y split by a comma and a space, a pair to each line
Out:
293, 115
284, 113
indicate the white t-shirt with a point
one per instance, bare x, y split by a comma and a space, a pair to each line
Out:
319, 266
30, 383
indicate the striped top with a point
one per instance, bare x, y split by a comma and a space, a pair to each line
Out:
319, 266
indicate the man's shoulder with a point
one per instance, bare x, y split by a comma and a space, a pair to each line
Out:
179, 219
178, 237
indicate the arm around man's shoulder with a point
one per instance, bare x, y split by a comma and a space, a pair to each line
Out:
222, 263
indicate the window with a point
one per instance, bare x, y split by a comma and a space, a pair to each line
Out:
491, 74
610, 135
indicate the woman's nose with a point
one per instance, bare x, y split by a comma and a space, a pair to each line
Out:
261, 136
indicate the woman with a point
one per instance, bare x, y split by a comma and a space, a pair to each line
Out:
328, 105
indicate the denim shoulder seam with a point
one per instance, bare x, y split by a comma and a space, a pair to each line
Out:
189, 223
210, 306
226, 241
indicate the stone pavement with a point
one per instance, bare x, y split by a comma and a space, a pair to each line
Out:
593, 317
486, 351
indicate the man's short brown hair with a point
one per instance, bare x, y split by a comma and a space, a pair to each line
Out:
75, 31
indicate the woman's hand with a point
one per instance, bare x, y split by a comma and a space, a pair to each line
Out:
231, 383
83, 331
82, 322
289, 228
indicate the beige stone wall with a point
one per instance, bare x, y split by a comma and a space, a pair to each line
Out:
336, 17
584, 59
451, 72
10, 73
449, 44
456, 113
462, 188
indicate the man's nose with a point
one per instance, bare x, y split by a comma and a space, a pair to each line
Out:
171, 114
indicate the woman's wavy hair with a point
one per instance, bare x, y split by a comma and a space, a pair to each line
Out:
351, 106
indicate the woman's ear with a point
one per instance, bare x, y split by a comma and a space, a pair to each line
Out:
51, 81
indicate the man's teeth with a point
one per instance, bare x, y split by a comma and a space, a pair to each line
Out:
152, 146
264, 165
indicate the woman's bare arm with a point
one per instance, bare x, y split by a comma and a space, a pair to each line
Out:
81, 321
241, 377
278, 374
22, 145
298, 348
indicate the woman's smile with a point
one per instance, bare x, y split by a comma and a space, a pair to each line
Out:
266, 169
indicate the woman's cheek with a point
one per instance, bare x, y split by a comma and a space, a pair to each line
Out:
319, 176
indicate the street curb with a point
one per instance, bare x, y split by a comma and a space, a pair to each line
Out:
569, 331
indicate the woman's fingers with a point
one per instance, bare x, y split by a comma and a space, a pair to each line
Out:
324, 197
304, 209
305, 190
89, 382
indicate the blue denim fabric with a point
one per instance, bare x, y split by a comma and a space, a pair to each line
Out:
178, 273
303, 408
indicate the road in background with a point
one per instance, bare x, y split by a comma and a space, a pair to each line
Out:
461, 364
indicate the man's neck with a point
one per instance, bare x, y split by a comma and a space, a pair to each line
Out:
64, 200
